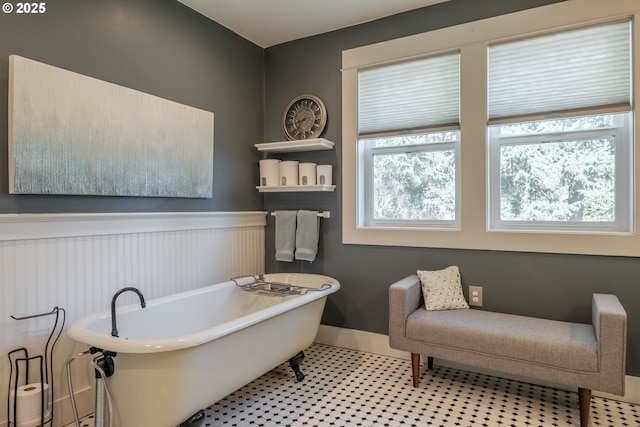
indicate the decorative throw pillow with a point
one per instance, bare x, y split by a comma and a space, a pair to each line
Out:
442, 289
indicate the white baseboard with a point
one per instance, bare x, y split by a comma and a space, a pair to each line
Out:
370, 342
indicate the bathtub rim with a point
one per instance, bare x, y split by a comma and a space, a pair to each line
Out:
79, 332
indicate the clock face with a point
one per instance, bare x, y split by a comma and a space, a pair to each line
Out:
304, 118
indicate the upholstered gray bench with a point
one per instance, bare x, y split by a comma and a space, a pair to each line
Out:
589, 357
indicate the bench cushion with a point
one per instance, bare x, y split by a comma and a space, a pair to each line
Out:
546, 342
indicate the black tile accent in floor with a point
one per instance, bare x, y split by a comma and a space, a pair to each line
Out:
350, 388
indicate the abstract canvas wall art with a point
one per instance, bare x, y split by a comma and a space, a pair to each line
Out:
76, 135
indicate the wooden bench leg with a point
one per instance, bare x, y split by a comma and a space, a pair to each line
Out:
415, 368
584, 398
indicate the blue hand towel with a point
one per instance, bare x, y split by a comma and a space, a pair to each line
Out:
307, 235
285, 235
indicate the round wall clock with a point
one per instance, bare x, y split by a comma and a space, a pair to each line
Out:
304, 118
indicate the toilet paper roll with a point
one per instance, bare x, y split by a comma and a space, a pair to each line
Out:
36, 422
28, 401
307, 174
289, 172
324, 174
269, 172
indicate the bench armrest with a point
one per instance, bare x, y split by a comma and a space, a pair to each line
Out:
610, 325
405, 297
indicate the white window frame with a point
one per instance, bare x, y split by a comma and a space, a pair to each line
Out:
623, 191
366, 161
472, 40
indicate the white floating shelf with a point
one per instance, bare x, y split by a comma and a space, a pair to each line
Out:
296, 145
294, 188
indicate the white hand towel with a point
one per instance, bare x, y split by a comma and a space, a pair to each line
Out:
307, 235
285, 235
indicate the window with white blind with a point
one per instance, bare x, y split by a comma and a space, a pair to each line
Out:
560, 151
409, 140
512, 133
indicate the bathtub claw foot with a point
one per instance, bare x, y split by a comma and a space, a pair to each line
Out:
195, 420
295, 362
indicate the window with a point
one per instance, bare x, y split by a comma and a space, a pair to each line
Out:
537, 153
409, 140
572, 173
561, 175
412, 180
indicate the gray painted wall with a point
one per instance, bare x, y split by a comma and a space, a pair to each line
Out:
158, 47
543, 285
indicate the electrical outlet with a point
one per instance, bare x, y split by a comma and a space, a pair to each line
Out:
475, 296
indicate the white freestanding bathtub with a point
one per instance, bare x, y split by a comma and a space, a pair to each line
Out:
186, 351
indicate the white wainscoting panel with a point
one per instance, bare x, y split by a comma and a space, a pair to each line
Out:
77, 262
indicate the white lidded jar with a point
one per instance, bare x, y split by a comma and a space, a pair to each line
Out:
289, 172
269, 172
324, 174
307, 174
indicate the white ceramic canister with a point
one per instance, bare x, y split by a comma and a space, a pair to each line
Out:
324, 173
269, 172
289, 172
307, 174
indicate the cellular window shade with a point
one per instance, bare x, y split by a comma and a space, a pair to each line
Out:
418, 94
573, 70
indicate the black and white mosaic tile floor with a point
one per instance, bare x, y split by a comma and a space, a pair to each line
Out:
350, 388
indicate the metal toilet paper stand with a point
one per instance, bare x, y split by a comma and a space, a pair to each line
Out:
44, 371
